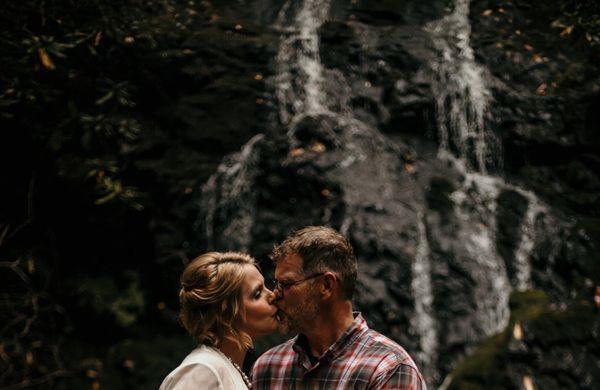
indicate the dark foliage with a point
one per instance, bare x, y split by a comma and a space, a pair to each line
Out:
93, 232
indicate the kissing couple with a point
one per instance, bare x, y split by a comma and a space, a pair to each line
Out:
226, 304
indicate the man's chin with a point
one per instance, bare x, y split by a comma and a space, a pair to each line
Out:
283, 324
283, 328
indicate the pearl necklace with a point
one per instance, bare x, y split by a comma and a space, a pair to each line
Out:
242, 373
245, 378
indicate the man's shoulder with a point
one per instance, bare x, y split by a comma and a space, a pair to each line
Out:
375, 342
276, 353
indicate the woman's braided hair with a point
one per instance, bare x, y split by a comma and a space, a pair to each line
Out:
211, 297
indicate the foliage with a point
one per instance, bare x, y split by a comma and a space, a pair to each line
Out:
584, 15
125, 303
72, 77
32, 328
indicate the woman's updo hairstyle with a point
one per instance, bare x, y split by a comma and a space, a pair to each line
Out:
211, 297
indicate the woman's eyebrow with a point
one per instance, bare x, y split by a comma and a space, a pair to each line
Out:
257, 287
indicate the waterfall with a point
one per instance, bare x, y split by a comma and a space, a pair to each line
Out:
462, 97
475, 206
466, 141
423, 321
307, 95
527, 232
228, 200
299, 79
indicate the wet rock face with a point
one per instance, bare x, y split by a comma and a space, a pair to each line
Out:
547, 86
456, 178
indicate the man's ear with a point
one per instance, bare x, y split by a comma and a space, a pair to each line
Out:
329, 284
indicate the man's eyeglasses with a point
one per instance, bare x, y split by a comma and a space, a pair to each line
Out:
285, 284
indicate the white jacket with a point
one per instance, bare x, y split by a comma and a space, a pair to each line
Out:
204, 368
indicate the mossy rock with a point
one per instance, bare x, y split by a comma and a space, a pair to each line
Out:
551, 346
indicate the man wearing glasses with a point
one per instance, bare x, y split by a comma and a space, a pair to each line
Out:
315, 276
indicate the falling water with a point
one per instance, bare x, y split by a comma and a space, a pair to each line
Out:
307, 96
423, 321
299, 68
465, 140
523, 251
462, 97
304, 88
228, 199
475, 206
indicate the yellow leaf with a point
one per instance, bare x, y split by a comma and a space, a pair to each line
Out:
98, 38
29, 358
517, 331
297, 152
567, 31
528, 47
90, 373
528, 383
541, 90
487, 12
45, 59
318, 147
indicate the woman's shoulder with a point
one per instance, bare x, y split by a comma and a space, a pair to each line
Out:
203, 365
206, 355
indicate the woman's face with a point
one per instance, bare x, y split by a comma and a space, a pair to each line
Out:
258, 305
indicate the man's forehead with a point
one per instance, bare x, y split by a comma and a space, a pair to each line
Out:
291, 264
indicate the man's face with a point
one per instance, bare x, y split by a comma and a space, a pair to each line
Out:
298, 304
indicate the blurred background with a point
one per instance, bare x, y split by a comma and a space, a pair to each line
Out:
455, 143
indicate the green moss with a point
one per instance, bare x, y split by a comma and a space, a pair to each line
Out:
558, 348
481, 368
526, 305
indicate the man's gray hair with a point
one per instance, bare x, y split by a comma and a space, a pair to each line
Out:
322, 249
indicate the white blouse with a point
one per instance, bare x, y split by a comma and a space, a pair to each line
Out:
204, 368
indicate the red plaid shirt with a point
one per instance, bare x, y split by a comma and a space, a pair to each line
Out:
361, 359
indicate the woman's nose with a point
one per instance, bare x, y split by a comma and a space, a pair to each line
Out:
272, 296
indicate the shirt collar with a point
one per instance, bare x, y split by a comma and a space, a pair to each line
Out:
358, 326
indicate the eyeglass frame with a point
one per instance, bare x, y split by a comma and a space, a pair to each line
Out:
282, 286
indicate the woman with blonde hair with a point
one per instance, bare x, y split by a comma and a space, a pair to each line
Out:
224, 306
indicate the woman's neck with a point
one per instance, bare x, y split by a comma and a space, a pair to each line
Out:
233, 351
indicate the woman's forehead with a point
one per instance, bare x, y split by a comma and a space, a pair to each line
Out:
252, 277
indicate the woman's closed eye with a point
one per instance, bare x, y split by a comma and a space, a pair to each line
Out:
258, 292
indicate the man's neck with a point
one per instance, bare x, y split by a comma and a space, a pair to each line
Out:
332, 323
